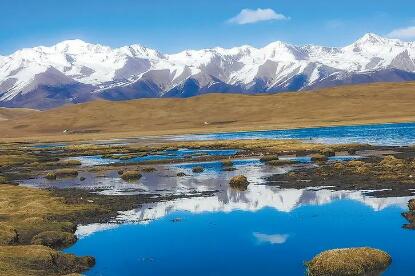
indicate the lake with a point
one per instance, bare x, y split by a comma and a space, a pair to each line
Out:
379, 134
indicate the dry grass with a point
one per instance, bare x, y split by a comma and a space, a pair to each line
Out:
349, 261
239, 182
26, 214
344, 105
131, 175
38, 260
198, 169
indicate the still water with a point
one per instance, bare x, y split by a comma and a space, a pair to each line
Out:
264, 231
380, 134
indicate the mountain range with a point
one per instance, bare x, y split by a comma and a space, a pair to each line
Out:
74, 71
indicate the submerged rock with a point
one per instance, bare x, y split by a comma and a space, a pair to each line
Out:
181, 174
239, 182
349, 261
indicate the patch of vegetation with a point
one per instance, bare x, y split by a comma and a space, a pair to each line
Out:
280, 162
239, 182
198, 169
131, 175
148, 169
227, 163
268, 158
54, 239
349, 261
62, 173
317, 157
328, 152
38, 260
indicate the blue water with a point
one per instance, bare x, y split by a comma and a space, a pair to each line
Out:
163, 155
262, 242
381, 134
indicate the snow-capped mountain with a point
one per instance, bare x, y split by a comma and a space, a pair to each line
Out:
75, 71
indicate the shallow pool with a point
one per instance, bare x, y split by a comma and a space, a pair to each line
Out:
264, 231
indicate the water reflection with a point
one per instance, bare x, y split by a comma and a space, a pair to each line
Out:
257, 197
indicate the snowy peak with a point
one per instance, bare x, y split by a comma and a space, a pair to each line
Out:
133, 71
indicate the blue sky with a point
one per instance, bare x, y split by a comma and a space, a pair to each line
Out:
171, 26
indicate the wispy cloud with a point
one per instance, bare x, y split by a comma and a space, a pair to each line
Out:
248, 16
403, 33
272, 239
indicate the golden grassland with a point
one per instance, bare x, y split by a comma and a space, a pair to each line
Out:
26, 222
15, 113
343, 105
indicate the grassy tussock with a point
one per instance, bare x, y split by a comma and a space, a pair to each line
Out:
319, 157
239, 182
198, 169
268, 158
54, 239
25, 215
37, 260
131, 175
349, 261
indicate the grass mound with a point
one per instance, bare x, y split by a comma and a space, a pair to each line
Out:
227, 163
62, 173
38, 260
268, 158
148, 169
198, 169
8, 235
319, 157
54, 239
280, 162
239, 182
349, 261
131, 175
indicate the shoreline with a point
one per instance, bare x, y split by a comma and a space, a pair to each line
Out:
162, 134
78, 206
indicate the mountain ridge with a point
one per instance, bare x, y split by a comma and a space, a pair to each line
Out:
44, 77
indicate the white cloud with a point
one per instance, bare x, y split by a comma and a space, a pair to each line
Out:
403, 33
272, 239
247, 16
